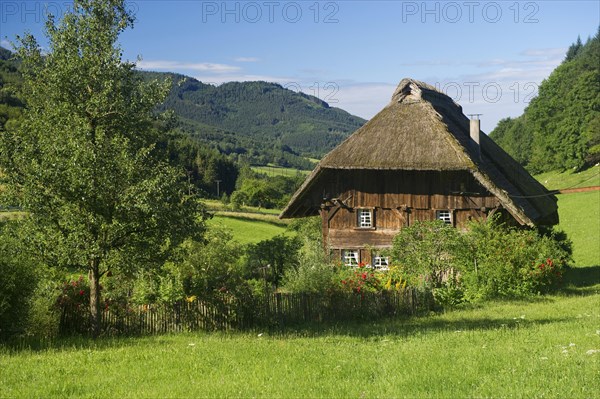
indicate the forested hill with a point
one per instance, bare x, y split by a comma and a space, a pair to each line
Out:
560, 129
257, 122
262, 121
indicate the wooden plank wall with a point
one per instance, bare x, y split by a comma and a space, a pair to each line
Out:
398, 199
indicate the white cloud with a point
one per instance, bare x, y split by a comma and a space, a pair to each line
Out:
503, 88
6, 44
175, 66
363, 99
246, 59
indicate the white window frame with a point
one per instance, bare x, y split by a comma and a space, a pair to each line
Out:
445, 215
365, 218
351, 257
380, 262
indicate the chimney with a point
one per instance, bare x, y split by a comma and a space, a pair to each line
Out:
474, 130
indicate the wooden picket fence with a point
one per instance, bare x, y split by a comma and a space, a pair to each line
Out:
277, 310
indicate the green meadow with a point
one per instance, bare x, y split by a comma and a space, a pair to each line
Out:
579, 215
249, 228
561, 180
279, 171
548, 347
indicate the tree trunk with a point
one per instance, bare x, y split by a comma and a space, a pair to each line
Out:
94, 276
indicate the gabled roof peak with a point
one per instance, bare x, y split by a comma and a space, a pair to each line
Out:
411, 90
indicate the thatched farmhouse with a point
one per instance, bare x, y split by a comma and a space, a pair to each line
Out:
420, 158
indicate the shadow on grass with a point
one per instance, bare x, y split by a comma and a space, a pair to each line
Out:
583, 276
581, 281
399, 327
412, 327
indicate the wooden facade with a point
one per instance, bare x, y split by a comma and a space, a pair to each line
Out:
396, 199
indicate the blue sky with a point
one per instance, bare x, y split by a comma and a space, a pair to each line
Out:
490, 56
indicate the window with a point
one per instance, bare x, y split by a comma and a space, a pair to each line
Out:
380, 262
365, 218
444, 216
351, 257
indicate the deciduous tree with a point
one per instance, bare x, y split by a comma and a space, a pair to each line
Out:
84, 164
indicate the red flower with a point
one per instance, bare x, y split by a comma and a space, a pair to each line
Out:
364, 276
81, 292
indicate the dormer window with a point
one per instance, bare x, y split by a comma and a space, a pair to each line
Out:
365, 218
445, 216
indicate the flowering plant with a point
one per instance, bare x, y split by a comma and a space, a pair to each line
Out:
360, 280
74, 293
546, 274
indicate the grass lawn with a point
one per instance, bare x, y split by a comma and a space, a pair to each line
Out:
580, 218
218, 206
279, 171
249, 228
560, 180
544, 348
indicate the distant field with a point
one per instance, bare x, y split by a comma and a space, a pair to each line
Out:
246, 229
10, 215
561, 180
279, 171
218, 206
580, 218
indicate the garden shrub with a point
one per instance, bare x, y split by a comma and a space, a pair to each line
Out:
269, 259
427, 251
360, 279
314, 273
212, 267
19, 277
508, 262
44, 314
488, 260
311, 277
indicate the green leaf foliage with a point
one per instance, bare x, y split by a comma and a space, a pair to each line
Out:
488, 260
100, 194
560, 128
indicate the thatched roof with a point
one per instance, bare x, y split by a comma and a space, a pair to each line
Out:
424, 129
